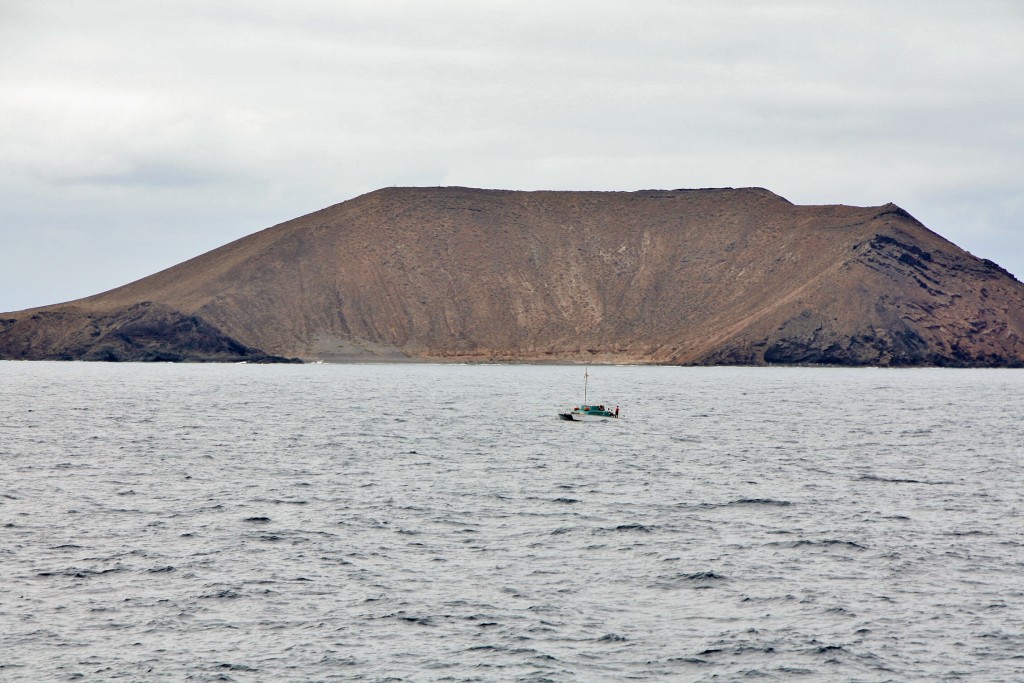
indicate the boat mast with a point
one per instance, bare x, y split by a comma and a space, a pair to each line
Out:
586, 376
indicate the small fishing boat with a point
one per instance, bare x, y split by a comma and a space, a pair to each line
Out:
585, 412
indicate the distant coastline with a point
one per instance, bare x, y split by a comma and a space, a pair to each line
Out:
718, 276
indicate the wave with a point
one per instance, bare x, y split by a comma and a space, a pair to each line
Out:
824, 542
892, 480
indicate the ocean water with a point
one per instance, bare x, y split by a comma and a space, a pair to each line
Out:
438, 523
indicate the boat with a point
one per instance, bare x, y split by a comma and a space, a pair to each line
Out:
587, 412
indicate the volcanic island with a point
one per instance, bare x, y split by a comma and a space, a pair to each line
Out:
716, 276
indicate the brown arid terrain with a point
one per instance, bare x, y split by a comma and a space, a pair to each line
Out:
713, 276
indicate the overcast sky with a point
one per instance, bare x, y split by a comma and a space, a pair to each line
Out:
135, 134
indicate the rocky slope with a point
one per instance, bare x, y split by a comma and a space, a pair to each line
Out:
717, 276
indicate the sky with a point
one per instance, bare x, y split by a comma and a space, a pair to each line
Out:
136, 134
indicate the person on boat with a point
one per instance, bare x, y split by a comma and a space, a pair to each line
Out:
616, 411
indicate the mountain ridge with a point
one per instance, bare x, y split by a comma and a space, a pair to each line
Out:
685, 276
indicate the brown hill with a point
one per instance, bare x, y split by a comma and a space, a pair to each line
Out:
717, 276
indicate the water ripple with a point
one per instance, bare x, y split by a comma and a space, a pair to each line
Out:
425, 522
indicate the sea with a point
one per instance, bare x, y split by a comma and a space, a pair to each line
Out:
429, 522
